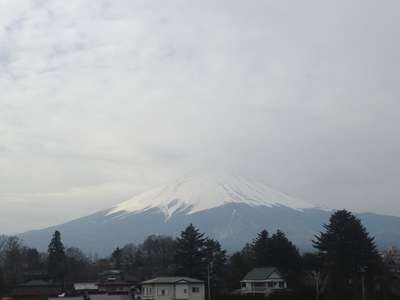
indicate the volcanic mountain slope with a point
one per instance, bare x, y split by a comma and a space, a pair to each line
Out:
229, 208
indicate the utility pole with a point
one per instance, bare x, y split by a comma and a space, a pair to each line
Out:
363, 286
208, 282
363, 270
317, 276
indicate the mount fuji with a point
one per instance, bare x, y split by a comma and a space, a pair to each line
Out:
228, 208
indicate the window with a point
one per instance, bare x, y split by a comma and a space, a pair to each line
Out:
185, 291
163, 292
195, 290
147, 291
270, 284
281, 284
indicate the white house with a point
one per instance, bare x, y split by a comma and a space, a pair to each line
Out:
173, 288
262, 281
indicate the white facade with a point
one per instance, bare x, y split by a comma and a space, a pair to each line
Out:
179, 290
271, 282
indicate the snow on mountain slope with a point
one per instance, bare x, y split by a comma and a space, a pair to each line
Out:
199, 192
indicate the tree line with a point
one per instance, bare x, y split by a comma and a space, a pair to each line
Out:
345, 264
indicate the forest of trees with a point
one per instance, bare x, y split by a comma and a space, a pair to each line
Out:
345, 264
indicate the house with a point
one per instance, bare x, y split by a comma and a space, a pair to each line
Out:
173, 288
111, 275
85, 288
391, 258
262, 281
37, 290
116, 282
116, 287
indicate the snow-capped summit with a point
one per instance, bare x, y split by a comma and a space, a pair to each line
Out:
225, 207
201, 191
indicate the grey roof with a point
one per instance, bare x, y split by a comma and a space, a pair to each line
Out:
86, 286
96, 297
39, 282
260, 273
171, 280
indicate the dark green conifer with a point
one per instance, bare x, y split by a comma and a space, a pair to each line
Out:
56, 259
261, 250
189, 252
284, 255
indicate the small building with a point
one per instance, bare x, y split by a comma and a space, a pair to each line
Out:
111, 275
171, 288
116, 282
86, 288
391, 258
116, 287
263, 281
37, 290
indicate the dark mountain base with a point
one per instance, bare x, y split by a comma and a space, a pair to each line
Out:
232, 224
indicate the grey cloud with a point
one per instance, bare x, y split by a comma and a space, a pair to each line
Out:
103, 99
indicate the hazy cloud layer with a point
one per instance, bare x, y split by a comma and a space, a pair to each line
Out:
101, 99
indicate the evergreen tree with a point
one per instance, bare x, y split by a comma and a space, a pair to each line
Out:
261, 249
346, 243
56, 259
189, 252
116, 257
238, 267
284, 255
349, 253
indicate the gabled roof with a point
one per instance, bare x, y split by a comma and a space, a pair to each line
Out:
260, 273
172, 280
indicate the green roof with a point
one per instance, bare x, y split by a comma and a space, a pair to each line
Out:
260, 273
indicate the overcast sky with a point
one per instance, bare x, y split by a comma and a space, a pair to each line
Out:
102, 99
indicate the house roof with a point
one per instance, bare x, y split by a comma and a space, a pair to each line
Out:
114, 283
172, 280
37, 291
260, 273
86, 286
41, 283
96, 297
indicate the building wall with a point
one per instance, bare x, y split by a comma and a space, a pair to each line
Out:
172, 292
164, 292
197, 296
182, 291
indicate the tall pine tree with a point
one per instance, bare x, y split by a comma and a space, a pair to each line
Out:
189, 256
349, 254
56, 259
261, 250
116, 258
284, 255
346, 243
